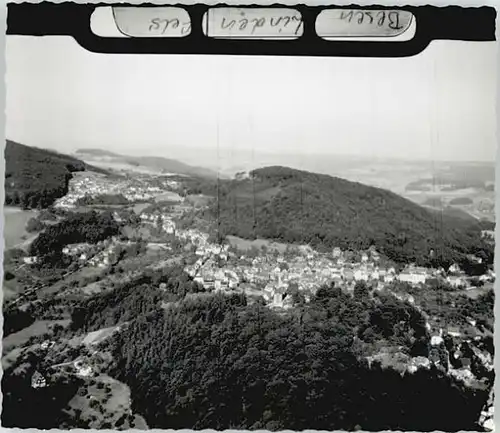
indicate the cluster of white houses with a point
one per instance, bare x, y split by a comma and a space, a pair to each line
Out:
271, 273
94, 184
100, 255
274, 275
159, 220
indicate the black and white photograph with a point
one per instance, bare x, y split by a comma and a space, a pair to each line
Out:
215, 240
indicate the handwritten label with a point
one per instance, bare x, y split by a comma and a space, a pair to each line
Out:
356, 22
150, 22
256, 23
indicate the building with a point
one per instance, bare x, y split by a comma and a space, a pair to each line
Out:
455, 281
30, 260
348, 275
412, 278
38, 381
418, 362
361, 275
389, 278
82, 369
436, 340
278, 300
454, 331
336, 253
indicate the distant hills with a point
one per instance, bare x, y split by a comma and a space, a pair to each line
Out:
157, 163
37, 177
295, 206
458, 176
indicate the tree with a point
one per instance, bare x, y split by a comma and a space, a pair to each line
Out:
361, 290
284, 266
90, 227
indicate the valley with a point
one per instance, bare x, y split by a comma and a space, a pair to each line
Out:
135, 283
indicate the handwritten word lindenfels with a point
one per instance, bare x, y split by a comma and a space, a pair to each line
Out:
268, 23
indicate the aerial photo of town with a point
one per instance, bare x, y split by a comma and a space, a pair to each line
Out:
201, 243
89, 271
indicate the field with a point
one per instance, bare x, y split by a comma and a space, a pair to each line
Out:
478, 291
96, 337
397, 177
168, 196
18, 339
105, 402
439, 199
244, 244
139, 207
393, 177
15, 225
81, 277
10, 290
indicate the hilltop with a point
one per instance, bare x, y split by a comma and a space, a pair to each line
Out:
295, 206
158, 163
36, 177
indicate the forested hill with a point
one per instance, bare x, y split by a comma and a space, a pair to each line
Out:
296, 206
37, 177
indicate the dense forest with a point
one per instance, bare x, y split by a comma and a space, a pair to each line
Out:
35, 178
214, 361
195, 359
294, 206
460, 308
193, 185
137, 297
90, 227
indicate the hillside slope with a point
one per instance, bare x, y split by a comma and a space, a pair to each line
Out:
296, 206
159, 163
37, 177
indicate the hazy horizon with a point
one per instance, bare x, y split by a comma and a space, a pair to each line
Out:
191, 159
208, 110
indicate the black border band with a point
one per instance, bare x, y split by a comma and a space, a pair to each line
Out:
73, 19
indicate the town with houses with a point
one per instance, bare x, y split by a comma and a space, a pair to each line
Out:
221, 267
134, 189
268, 275
218, 268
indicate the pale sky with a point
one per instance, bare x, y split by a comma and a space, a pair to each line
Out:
437, 105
